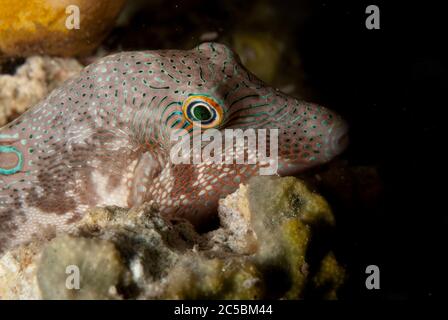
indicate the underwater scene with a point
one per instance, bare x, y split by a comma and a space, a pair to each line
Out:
223, 150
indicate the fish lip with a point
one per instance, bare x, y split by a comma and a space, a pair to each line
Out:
339, 140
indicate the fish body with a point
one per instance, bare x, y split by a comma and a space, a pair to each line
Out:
104, 138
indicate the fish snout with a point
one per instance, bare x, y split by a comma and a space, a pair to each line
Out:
338, 140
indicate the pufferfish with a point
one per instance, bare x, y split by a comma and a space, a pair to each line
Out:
104, 138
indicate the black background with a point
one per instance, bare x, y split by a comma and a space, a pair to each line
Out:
390, 84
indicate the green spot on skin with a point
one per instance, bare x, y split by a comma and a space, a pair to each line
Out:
19, 165
23, 142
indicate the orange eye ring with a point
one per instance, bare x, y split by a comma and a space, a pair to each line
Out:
203, 110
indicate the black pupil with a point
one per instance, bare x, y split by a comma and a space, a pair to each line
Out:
202, 113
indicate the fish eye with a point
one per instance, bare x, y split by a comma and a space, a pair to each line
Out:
202, 112
202, 109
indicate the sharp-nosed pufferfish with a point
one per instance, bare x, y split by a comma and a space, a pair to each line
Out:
103, 138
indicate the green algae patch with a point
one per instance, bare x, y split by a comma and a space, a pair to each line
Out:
329, 277
285, 214
276, 198
79, 269
203, 278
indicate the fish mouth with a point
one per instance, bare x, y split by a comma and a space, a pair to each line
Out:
334, 145
291, 169
339, 139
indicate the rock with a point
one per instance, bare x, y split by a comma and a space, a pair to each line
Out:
260, 53
18, 273
32, 81
288, 197
197, 277
260, 251
283, 213
30, 27
329, 277
265, 35
271, 57
98, 263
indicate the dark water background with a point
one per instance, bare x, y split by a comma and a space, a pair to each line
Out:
390, 84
